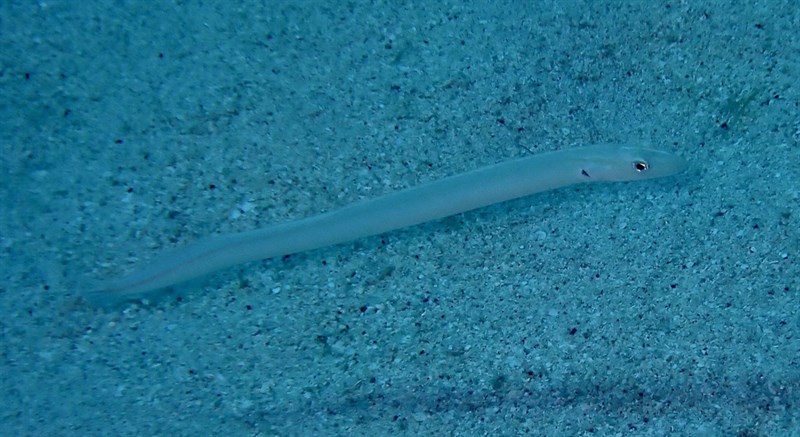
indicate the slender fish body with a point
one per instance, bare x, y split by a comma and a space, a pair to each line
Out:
412, 206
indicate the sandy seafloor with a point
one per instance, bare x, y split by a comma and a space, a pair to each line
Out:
665, 307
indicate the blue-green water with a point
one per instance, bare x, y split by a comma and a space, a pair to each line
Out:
664, 307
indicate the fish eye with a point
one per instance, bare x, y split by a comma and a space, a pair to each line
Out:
640, 166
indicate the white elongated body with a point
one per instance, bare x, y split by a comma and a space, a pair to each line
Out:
432, 201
